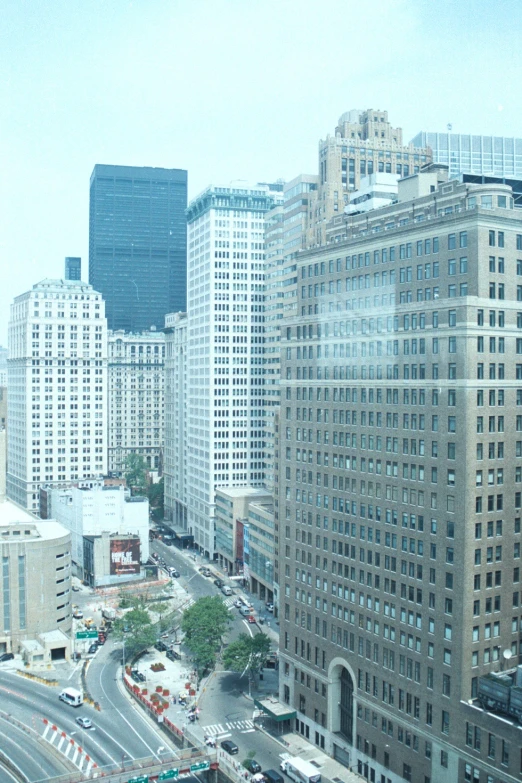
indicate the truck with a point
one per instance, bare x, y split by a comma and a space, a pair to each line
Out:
109, 613
72, 697
300, 771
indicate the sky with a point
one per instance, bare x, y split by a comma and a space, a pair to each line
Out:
227, 89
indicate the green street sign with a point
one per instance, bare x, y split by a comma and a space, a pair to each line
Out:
169, 774
142, 779
199, 766
87, 634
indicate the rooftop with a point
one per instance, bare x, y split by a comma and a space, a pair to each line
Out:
14, 516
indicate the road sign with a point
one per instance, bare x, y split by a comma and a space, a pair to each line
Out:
87, 634
199, 766
142, 779
168, 774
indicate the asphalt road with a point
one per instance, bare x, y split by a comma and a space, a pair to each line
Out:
119, 734
19, 748
29, 703
226, 710
134, 734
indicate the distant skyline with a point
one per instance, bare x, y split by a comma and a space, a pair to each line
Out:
227, 90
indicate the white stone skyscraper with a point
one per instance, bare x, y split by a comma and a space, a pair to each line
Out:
225, 303
57, 381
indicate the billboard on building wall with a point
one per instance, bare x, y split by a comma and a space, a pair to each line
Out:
125, 556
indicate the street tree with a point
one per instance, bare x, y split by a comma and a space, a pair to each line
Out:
137, 630
247, 653
203, 624
136, 474
155, 493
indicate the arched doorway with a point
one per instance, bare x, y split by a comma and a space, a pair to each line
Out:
341, 699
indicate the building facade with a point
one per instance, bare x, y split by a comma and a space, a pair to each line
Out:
174, 470
285, 232
364, 143
232, 507
96, 510
225, 423
498, 156
57, 388
36, 585
73, 268
137, 243
135, 378
399, 485
259, 549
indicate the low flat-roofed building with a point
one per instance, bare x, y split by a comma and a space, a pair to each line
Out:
231, 518
110, 559
97, 510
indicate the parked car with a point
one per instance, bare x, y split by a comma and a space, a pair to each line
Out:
251, 619
173, 572
93, 648
172, 655
6, 657
219, 583
85, 723
252, 766
238, 603
270, 606
161, 646
230, 747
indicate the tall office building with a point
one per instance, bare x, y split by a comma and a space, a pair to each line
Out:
135, 377
285, 231
498, 156
73, 268
477, 158
57, 387
137, 243
399, 503
174, 469
225, 423
364, 142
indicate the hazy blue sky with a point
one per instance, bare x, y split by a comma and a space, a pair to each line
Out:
228, 89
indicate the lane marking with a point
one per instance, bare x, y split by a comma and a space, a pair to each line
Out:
129, 724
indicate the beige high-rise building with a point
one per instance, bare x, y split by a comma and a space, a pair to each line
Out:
136, 399
364, 142
399, 487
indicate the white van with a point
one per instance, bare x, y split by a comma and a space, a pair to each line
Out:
72, 697
226, 590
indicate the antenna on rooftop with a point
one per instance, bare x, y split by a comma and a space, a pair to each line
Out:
449, 126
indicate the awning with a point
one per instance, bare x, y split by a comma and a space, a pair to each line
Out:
275, 710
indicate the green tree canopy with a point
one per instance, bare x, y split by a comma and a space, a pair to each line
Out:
136, 472
203, 625
155, 494
137, 630
247, 653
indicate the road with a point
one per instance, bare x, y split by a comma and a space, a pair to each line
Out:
134, 734
19, 747
119, 734
226, 710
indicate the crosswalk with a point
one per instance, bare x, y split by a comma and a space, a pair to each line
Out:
216, 729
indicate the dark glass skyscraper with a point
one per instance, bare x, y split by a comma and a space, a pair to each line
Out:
73, 268
138, 243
